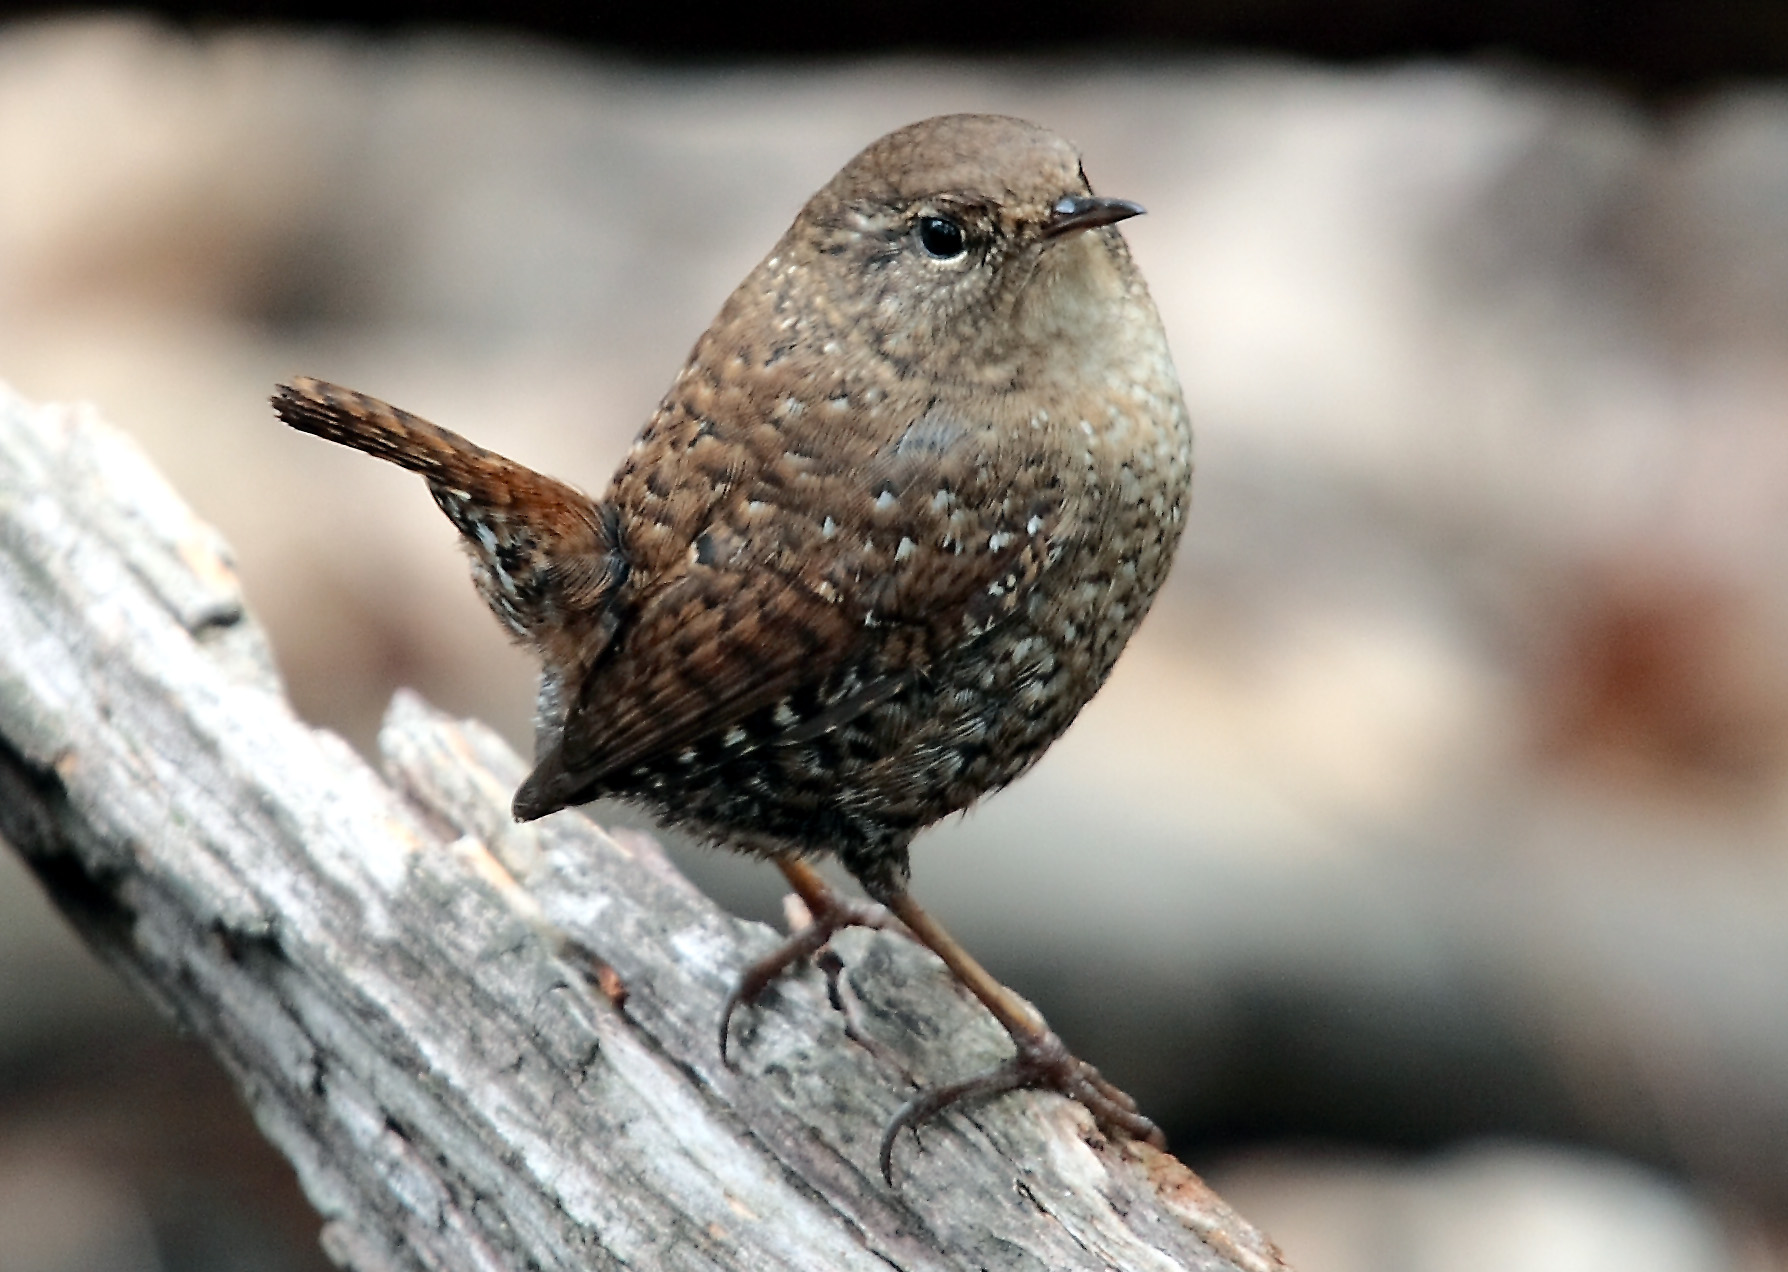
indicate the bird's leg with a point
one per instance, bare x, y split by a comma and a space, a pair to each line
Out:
827, 913
1041, 1059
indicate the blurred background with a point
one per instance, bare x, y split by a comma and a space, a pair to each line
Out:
1423, 867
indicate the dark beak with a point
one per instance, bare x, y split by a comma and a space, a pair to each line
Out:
1085, 211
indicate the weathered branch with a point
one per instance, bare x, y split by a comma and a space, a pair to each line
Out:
418, 998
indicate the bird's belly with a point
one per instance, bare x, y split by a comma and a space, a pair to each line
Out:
974, 720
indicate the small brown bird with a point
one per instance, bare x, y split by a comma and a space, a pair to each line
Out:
881, 541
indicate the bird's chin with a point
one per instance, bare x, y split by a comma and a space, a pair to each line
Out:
1072, 289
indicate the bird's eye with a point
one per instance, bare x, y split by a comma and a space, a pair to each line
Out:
941, 237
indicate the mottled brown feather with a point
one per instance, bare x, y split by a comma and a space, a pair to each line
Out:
884, 535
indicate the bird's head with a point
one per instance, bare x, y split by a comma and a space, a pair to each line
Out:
957, 244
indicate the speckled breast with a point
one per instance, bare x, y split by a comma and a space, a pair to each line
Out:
980, 715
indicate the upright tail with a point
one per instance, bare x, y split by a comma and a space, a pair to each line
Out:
409, 441
546, 557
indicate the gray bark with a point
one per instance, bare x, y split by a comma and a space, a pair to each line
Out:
419, 999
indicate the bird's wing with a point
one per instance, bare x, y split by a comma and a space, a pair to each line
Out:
850, 584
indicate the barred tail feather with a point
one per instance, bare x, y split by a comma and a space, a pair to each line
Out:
381, 430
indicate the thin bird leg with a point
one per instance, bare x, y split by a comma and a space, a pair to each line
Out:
1041, 1059
827, 912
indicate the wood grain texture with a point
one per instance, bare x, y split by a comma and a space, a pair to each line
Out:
403, 982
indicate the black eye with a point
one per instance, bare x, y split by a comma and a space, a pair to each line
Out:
940, 237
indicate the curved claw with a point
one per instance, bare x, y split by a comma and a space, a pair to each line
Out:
1041, 1061
827, 913
734, 997
926, 1105
755, 979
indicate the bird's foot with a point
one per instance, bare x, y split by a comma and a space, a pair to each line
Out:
1041, 1061
827, 913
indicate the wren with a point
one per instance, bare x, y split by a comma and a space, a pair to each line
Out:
883, 538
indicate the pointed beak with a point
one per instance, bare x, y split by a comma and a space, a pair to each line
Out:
1078, 212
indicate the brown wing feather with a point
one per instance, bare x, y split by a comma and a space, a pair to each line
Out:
737, 642
940, 534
